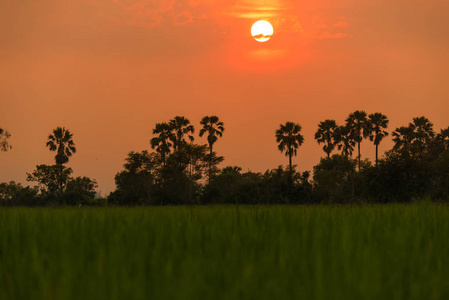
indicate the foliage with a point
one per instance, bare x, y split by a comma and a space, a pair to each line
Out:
14, 194
333, 179
377, 123
327, 133
135, 183
162, 142
214, 129
181, 127
61, 141
416, 138
4, 143
225, 252
359, 128
289, 138
277, 186
346, 141
80, 190
50, 178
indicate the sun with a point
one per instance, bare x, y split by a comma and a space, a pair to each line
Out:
262, 31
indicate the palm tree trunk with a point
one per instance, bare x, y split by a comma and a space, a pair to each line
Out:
210, 162
290, 161
376, 153
358, 144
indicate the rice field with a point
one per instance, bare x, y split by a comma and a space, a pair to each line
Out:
225, 252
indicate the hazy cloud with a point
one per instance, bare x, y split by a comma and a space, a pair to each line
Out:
342, 23
182, 18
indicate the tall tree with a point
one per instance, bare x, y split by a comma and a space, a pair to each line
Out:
214, 129
326, 134
443, 137
345, 140
61, 141
4, 136
402, 138
181, 127
378, 122
162, 140
289, 138
358, 124
422, 132
415, 138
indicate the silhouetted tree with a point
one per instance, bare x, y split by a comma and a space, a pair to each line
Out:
136, 183
214, 129
402, 138
192, 161
4, 136
181, 127
61, 142
289, 138
14, 194
377, 122
443, 137
80, 190
50, 178
162, 141
422, 132
333, 179
346, 141
327, 134
414, 139
357, 123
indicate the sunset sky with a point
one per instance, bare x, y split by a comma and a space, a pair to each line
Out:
108, 70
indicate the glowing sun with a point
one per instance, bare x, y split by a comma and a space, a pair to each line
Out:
262, 31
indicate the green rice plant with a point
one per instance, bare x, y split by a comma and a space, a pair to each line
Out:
225, 252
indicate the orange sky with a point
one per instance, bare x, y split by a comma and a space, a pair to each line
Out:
110, 69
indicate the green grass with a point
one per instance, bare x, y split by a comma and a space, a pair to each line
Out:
261, 252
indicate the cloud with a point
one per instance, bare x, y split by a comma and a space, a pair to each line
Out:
183, 18
342, 23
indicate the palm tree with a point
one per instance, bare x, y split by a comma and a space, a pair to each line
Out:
289, 138
378, 123
443, 137
181, 126
61, 142
423, 132
357, 122
4, 136
345, 140
326, 134
162, 141
214, 129
402, 138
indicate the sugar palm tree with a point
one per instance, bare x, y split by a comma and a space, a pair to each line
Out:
289, 138
358, 124
326, 134
378, 122
423, 132
345, 140
214, 129
61, 141
443, 137
181, 127
402, 138
162, 140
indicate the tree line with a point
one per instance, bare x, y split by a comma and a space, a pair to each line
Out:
180, 171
